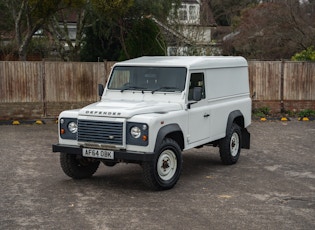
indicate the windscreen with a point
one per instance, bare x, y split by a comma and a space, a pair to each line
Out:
163, 79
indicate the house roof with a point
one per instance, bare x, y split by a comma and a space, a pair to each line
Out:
190, 1
67, 15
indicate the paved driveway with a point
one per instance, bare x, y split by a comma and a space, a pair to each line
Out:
271, 187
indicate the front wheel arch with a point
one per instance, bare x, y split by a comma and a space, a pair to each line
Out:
172, 131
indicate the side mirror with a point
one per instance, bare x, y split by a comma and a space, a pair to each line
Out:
100, 90
196, 96
197, 93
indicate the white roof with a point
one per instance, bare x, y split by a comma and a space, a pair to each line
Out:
191, 62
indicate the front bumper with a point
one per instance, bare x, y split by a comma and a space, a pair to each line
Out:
119, 156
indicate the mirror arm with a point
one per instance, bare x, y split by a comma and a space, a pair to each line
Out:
191, 103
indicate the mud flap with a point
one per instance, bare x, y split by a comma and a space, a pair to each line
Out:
245, 139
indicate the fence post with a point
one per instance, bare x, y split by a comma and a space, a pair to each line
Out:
282, 87
43, 76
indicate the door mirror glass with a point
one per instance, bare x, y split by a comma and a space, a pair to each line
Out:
197, 93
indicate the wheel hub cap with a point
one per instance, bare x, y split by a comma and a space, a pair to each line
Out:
234, 144
167, 165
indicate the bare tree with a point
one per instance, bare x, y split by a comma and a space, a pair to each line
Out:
226, 11
30, 16
273, 30
67, 30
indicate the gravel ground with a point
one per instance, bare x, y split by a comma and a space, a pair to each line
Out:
271, 187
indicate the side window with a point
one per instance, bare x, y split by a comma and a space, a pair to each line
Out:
196, 80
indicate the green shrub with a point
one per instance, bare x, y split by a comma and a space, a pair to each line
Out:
261, 112
307, 113
305, 55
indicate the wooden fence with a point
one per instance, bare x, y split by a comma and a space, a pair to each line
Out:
282, 80
282, 85
43, 89
51, 81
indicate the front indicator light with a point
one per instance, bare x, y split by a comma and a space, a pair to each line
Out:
62, 131
144, 138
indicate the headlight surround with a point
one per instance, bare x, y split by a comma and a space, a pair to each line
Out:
73, 127
68, 128
137, 134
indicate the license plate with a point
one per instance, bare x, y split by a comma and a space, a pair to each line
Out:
98, 153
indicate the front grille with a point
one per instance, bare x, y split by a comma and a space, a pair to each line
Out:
100, 132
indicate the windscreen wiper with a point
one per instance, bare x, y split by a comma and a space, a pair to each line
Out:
168, 88
131, 87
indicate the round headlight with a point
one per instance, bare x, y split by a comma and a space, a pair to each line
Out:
135, 132
73, 127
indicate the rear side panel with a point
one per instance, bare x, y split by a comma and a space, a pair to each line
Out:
227, 90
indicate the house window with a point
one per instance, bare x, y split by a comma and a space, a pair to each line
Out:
177, 51
192, 12
182, 13
188, 13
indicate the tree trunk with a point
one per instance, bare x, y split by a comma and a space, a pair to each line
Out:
122, 39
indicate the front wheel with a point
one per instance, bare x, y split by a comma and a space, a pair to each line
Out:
230, 146
78, 167
164, 171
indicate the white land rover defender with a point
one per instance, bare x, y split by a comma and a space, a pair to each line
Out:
152, 109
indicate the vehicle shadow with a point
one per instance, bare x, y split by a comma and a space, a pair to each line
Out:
196, 163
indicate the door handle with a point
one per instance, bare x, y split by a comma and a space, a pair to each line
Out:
206, 115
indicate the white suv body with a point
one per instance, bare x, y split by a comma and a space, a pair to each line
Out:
152, 109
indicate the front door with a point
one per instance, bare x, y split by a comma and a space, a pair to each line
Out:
199, 112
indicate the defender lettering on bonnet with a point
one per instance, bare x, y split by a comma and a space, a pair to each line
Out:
100, 112
153, 109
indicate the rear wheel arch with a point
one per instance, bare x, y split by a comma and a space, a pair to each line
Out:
235, 117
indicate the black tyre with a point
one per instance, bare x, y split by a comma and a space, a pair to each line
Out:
78, 167
230, 146
164, 172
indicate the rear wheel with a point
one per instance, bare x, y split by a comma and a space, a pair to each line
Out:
164, 171
230, 146
78, 167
